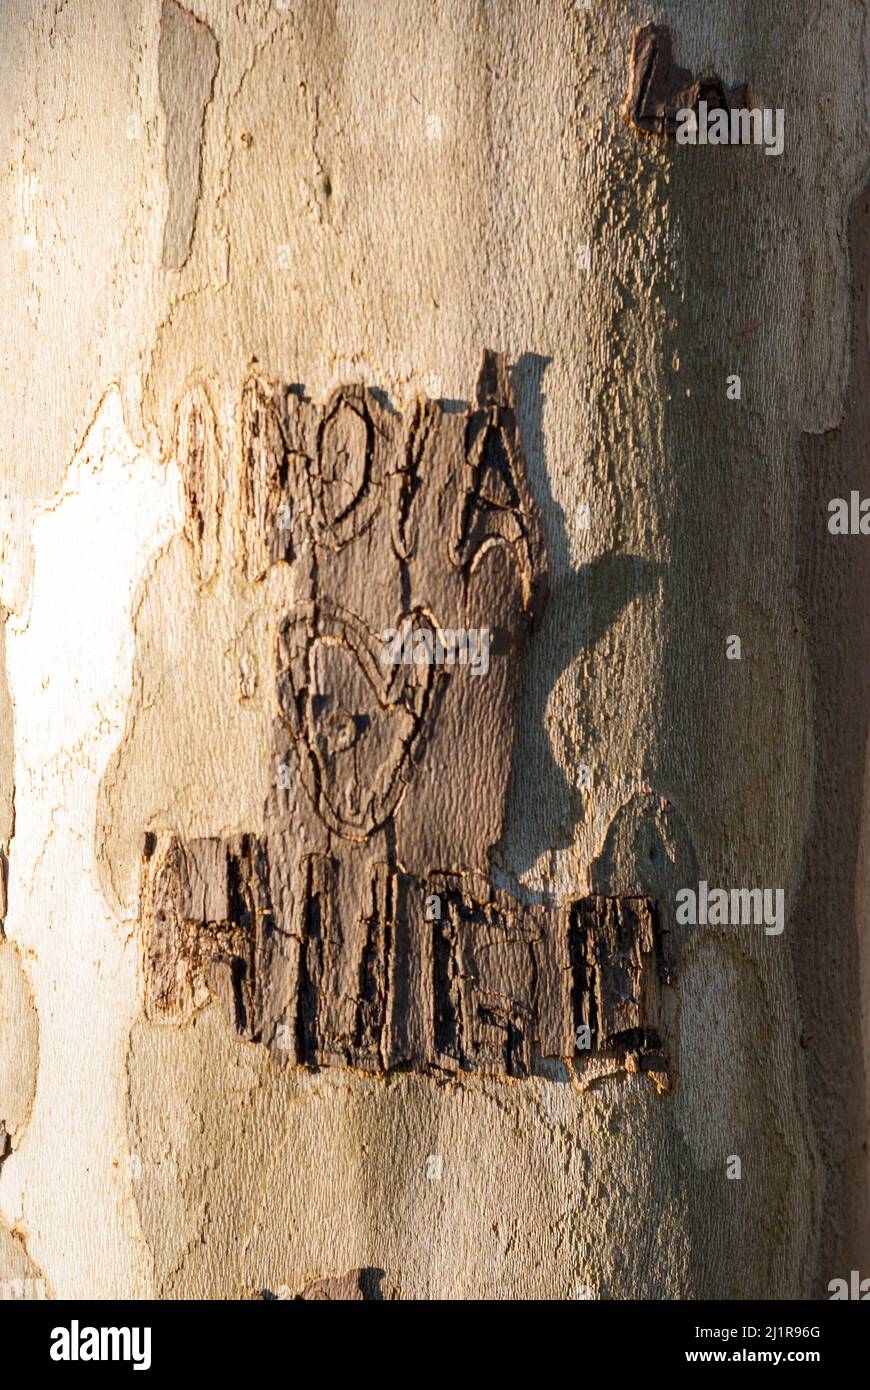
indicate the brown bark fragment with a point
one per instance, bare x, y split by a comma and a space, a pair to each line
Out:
658, 87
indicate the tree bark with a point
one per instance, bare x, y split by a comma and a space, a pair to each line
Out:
321, 194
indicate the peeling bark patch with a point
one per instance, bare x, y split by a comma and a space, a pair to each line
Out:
360, 929
658, 87
187, 63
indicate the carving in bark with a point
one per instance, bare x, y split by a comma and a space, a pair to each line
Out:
360, 930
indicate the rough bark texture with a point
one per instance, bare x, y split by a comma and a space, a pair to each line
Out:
355, 195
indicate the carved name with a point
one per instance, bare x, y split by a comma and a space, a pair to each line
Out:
419, 975
360, 929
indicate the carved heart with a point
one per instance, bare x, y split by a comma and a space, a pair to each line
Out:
357, 718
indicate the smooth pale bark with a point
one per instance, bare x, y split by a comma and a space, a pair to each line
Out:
381, 191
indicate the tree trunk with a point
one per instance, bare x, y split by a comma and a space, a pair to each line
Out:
317, 195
